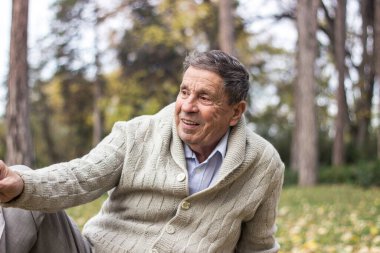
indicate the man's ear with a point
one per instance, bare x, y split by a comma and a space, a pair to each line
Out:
239, 109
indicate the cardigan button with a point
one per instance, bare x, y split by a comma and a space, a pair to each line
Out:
170, 229
181, 177
185, 205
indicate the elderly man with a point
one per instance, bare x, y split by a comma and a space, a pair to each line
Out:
191, 178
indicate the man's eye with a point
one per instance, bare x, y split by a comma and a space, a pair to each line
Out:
205, 99
184, 92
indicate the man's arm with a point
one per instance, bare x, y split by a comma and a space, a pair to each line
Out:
64, 185
258, 234
11, 184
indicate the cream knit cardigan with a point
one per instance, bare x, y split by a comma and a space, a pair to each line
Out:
141, 163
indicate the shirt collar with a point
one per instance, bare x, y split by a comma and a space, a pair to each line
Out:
221, 148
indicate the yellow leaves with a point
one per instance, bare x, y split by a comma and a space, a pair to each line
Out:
153, 33
374, 230
53, 92
350, 238
322, 231
186, 20
336, 219
346, 237
310, 246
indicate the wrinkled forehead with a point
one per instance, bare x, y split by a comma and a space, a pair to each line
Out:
194, 76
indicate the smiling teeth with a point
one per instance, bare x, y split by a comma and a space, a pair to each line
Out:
189, 122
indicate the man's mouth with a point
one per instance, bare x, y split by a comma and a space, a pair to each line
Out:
189, 122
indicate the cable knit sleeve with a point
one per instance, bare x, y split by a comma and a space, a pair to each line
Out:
78, 181
258, 234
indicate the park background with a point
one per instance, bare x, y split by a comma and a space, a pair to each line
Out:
72, 68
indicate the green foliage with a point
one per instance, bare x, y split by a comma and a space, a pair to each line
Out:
151, 52
366, 152
363, 174
336, 175
125, 99
62, 127
290, 177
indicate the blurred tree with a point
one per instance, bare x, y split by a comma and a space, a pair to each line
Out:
366, 76
377, 59
226, 27
151, 59
67, 103
42, 115
150, 45
305, 93
18, 137
274, 121
361, 74
151, 52
340, 54
98, 112
63, 105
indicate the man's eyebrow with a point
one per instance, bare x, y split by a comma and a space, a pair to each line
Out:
204, 90
183, 85
208, 92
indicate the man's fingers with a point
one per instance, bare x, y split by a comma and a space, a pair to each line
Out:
2, 164
11, 184
3, 170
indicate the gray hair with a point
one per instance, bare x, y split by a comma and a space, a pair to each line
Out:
233, 73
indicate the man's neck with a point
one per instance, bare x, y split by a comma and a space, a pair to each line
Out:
201, 157
202, 153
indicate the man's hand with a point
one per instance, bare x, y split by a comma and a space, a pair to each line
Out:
11, 184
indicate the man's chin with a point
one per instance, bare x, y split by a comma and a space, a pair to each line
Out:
186, 138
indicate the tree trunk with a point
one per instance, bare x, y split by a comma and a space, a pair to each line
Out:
98, 88
305, 91
377, 58
366, 77
339, 49
19, 143
226, 27
44, 114
97, 112
294, 155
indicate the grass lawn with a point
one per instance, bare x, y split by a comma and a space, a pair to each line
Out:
329, 219
323, 219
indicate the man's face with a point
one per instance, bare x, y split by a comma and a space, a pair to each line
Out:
202, 112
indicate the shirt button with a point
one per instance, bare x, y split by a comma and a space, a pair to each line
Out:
181, 177
170, 229
185, 205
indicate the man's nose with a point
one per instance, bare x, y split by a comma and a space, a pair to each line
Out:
190, 104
